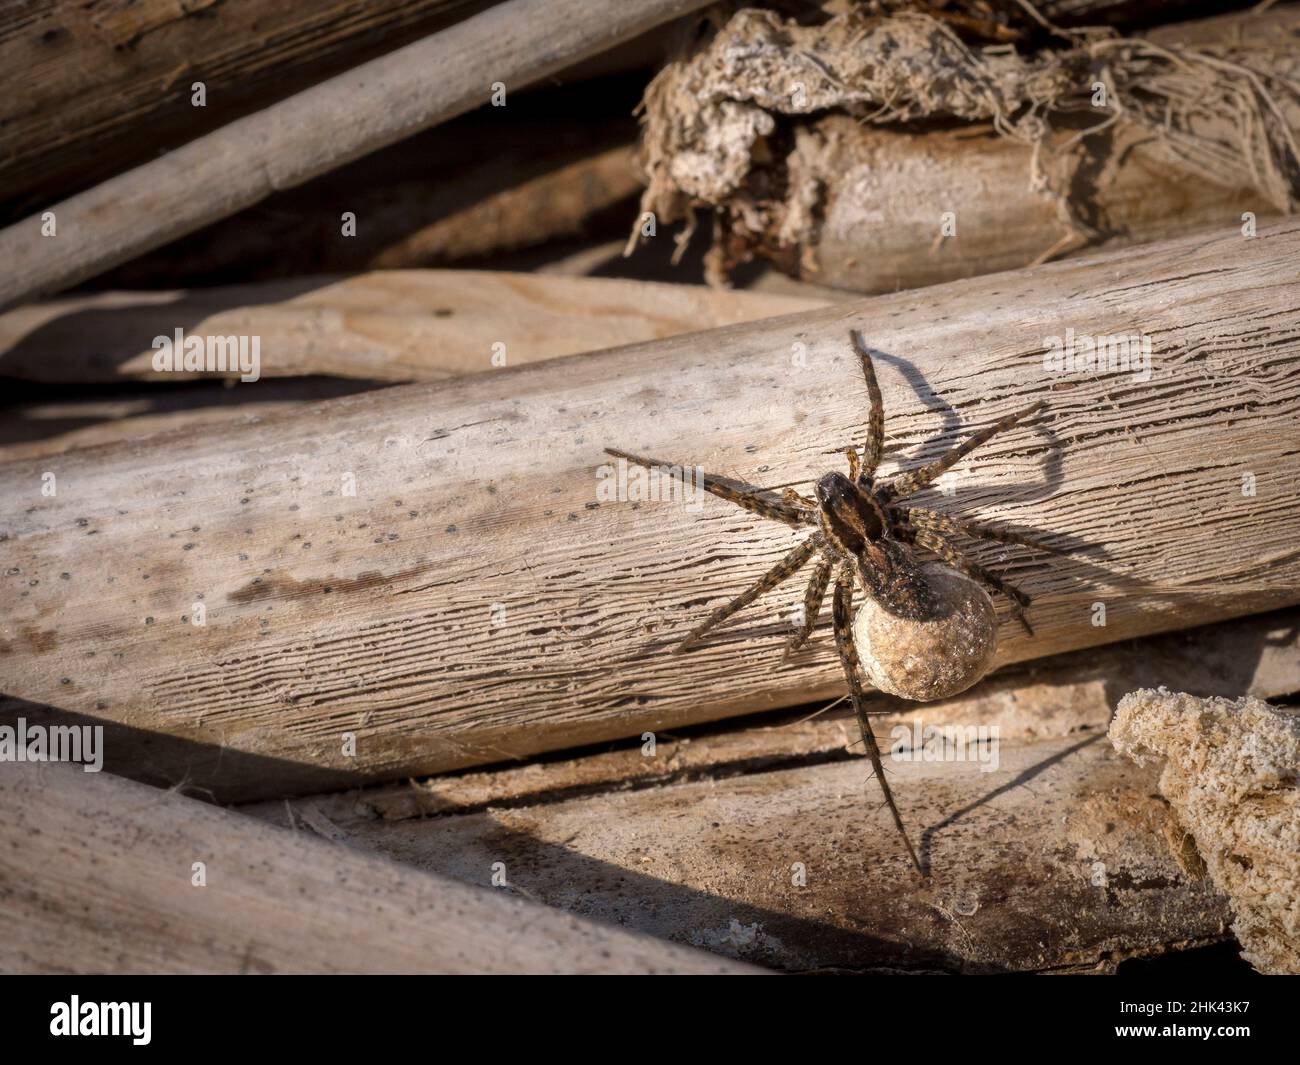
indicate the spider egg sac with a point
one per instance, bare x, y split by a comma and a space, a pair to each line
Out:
934, 658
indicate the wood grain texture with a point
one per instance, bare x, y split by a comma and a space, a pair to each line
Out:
407, 325
885, 191
515, 43
1051, 698
475, 601
98, 875
118, 76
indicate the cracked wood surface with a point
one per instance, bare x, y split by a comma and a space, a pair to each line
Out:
475, 602
98, 877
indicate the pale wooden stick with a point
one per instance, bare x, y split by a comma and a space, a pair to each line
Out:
514, 43
100, 877
389, 325
436, 571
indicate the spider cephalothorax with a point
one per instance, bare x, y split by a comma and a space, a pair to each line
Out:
862, 534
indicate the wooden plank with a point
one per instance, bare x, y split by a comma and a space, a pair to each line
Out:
476, 601
99, 877
515, 43
404, 325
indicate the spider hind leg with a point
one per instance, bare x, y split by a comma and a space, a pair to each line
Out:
932, 541
842, 615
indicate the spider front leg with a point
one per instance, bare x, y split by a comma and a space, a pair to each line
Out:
874, 447
908, 483
747, 496
932, 541
812, 604
787, 567
842, 615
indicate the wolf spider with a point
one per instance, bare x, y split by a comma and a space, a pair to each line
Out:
861, 531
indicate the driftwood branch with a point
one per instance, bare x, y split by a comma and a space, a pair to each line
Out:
477, 599
371, 106
412, 325
99, 876
120, 77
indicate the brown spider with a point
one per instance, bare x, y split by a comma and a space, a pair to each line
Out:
863, 532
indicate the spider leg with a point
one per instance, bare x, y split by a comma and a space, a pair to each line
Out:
796, 500
875, 443
787, 567
743, 495
812, 603
932, 541
842, 614
948, 525
917, 479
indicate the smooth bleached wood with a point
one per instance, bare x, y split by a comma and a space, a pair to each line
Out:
476, 600
99, 875
388, 325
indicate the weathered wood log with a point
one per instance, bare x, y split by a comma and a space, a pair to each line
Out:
109, 73
876, 209
480, 597
513, 44
100, 876
1050, 698
873, 238
412, 325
